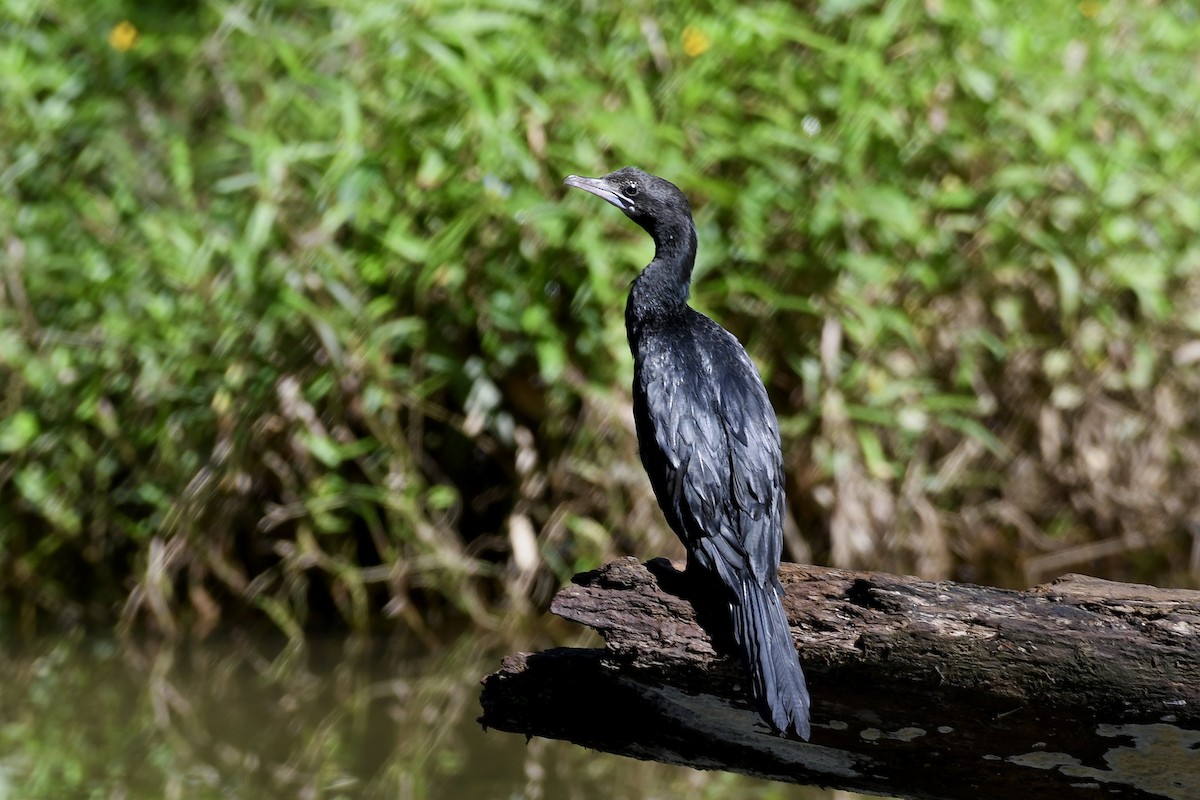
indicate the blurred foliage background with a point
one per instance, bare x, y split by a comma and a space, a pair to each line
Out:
296, 322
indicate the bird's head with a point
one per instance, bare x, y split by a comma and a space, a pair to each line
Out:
655, 204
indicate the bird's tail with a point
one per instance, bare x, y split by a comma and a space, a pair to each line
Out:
761, 631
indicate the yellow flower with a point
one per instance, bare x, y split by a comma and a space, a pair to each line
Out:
1089, 8
695, 41
123, 36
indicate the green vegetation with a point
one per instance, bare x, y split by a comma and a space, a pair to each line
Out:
295, 321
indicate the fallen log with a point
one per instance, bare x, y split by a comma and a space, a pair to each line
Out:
1081, 688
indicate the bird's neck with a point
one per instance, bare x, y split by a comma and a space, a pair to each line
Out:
663, 286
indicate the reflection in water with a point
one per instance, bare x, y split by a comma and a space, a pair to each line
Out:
338, 718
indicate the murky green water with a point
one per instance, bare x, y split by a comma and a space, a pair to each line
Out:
247, 718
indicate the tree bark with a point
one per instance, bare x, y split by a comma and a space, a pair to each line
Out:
1081, 688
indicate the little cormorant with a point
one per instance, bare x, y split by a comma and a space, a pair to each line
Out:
709, 441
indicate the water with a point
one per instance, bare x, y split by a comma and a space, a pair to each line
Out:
243, 717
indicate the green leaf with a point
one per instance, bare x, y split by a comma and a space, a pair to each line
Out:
18, 431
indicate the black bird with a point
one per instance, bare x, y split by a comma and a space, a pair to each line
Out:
709, 441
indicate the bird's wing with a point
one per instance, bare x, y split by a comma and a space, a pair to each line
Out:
715, 459
755, 459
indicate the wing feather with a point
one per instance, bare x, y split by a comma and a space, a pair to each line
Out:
710, 443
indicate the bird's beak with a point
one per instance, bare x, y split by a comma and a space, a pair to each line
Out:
598, 187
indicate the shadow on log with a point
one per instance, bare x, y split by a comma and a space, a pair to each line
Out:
1081, 688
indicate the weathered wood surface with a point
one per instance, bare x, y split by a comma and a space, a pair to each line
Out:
1078, 689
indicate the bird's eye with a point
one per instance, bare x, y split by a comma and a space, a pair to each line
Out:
631, 190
